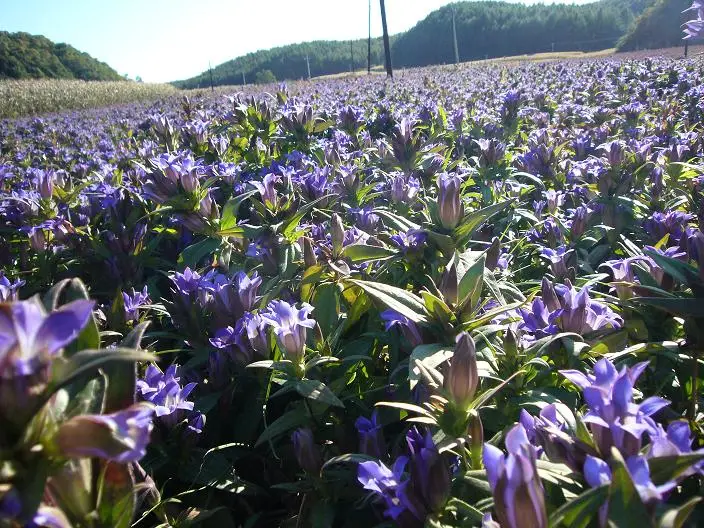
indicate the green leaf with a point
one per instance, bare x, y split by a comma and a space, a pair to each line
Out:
120, 391
311, 277
471, 284
281, 425
348, 458
473, 220
582, 510
680, 271
408, 407
318, 391
430, 356
682, 306
404, 302
86, 363
676, 517
625, 505
289, 226
117, 500
228, 219
669, 468
364, 253
193, 254
396, 221
437, 307
326, 301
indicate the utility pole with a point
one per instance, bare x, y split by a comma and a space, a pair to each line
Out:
210, 69
454, 36
686, 48
244, 81
308, 66
351, 58
387, 47
369, 41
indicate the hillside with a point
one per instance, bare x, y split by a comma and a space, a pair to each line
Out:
25, 56
289, 62
497, 29
485, 29
658, 27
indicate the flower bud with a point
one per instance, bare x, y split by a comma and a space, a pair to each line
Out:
462, 377
338, 234
37, 239
120, 437
449, 283
46, 185
307, 452
450, 208
309, 258
493, 254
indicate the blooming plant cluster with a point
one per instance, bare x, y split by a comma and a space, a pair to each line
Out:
471, 296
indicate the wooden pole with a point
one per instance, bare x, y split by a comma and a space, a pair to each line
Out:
454, 37
387, 47
369, 41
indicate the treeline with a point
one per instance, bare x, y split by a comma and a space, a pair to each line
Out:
25, 56
660, 26
289, 62
485, 29
498, 29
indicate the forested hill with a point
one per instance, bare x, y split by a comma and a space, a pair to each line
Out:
497, 29
658, 27
484, 29
25, 56
289, 62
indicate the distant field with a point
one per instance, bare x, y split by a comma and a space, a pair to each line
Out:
33, 97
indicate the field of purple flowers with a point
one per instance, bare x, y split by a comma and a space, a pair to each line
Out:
470, 296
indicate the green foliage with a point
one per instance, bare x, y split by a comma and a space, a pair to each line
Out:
499, 29
289, 62
264, 77
25, 56
660, 26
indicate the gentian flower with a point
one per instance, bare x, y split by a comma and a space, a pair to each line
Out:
385, 483
404, 190
411, 241
29, 340
120, 437
408, 328
307, 452
462, 377
162, 389
267, 190
450, 207
133, 302
9, 291
235, 297
290, 325
519, 500
371, 438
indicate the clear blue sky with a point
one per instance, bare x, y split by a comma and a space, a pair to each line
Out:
166, 40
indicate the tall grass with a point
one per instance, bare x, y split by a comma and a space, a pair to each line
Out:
32, 97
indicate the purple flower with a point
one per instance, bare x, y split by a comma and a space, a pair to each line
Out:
518, 493
462, 377
30, 338
371, 438
120, 437
9, 291
384, 482
672, 223
598, 473
290, 325
614, 419
558, 260
133, 302
408, 328
404, 190
163, 390
267, 190
450, 207
307, 452
236, 296
430, 474
366, 219
411, 241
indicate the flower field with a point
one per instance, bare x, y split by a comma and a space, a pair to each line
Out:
472, 296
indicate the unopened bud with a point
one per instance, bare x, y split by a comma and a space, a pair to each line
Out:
338, 234
307, 451
449, 284
493, 254
450, 208
309, 258
462, 377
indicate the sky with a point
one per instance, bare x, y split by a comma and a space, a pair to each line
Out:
167, 40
